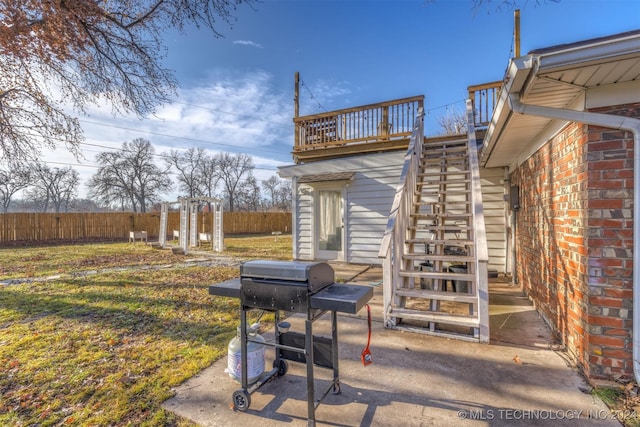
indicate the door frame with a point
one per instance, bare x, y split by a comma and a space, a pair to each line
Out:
340, 187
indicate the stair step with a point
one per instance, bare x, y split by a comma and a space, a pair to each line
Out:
452, 242
438, 333
446, 228
433, 257
466, 277
443, 193
446, 173
428, 147
443, 162
447, 203
447, 159
428, 189
452, 319
437, 295
436, 153
453, 216
446, 181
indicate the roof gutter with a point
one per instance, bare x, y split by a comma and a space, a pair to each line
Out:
614, 122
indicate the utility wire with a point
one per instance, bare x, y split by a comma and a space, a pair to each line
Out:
98, 166
120, 149
164, 156
444, 106
312, 96
288, 126
172, 136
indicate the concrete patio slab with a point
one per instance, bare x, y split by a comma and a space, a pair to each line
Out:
521, 378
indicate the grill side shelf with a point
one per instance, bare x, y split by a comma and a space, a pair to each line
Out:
343, 298
229, 288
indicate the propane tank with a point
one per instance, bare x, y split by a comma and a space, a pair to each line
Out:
255, 356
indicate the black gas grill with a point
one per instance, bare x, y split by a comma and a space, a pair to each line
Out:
284, 286
297, 287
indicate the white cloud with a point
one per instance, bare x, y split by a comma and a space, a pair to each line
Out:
323, 94
248, 43
230, 111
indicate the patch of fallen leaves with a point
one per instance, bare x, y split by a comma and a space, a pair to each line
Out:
45, 261
106, 350
260, 247
627, 407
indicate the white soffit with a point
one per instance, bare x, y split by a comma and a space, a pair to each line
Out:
583, 75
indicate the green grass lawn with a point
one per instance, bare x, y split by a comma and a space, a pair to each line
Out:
107, 348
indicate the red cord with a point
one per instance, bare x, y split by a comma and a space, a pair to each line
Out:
366, 354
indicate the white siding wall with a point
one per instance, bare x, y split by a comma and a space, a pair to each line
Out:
304, 223
494, 216
368, 198
368, 201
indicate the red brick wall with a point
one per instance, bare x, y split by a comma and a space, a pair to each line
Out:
574, 241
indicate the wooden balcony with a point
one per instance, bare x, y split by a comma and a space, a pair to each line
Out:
484, 98
369, 128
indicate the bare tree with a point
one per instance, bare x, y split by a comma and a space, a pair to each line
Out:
111, 185
88, 51
12, 180
278, 192
85, 205
283, 196
53, 188
129, 176
270, 186
454, 122
210, 175
248, 195
189, 166
233, 169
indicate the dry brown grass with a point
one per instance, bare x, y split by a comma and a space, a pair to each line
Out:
106, 348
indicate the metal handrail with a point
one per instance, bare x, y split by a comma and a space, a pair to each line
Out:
393, 238
479, 229
411, 159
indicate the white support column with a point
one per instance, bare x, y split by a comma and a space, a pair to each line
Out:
218, 230
184, 225
162, 233
193, 223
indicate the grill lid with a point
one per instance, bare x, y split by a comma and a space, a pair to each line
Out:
315, 274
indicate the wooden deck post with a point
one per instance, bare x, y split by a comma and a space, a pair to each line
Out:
516, 33
296, 109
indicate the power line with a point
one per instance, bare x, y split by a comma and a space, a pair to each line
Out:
120, 149
311, 95
98, 166
71, 164
444, 106
288, 126
172, 136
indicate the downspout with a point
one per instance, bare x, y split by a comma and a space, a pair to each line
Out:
614, 122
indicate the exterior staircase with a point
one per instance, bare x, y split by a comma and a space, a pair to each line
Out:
435, 248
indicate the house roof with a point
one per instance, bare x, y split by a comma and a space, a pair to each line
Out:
577, 76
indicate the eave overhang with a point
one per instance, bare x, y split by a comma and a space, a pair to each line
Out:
578, 76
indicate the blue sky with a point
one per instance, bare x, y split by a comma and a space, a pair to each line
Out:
236, 92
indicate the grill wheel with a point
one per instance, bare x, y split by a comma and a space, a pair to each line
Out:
241, 400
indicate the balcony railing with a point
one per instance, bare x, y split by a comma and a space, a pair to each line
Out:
366, 128
484, 98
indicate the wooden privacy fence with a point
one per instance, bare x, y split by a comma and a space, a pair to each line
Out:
117, 225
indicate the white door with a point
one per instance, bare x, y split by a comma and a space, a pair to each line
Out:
329, 224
